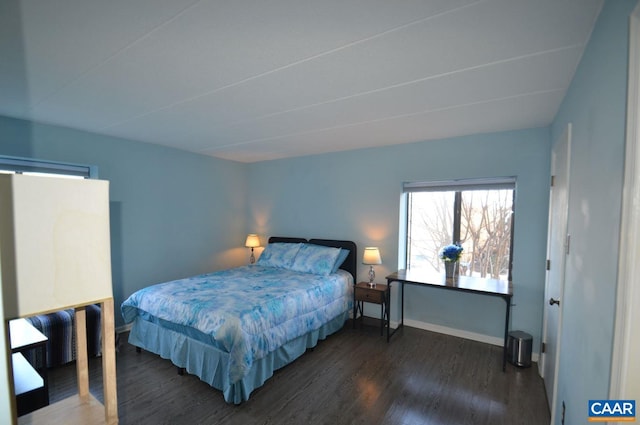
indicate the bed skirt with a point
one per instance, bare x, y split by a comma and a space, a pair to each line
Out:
211, 364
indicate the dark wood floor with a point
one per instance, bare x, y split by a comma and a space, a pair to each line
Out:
353, 377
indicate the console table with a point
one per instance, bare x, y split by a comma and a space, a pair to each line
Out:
491, 287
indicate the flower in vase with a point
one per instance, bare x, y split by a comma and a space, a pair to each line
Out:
451, 253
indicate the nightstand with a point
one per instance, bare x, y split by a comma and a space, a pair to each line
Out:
378, 294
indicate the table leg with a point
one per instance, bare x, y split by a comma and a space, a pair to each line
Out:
388, 302
355, 306
506, 334
387, 306
109, 362
402, 306
382, 318
359, 312
82, 359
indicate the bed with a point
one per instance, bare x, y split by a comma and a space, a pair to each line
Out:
233, 328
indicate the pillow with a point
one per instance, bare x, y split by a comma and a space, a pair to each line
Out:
344, 253
279, 255
315, 259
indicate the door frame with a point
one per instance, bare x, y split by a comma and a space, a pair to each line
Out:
625, 370
566, 134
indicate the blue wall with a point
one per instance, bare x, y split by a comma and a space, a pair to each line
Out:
173, 213
356, 195
596, 106
176, 214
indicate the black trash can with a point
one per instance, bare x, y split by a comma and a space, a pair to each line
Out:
519, 348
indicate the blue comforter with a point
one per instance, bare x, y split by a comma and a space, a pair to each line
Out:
247, 311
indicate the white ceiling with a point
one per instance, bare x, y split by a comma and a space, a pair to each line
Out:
253, 80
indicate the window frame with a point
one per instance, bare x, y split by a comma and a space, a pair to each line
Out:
456, 186
21, 165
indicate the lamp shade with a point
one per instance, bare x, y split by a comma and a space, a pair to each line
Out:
252, 241
54, 243
371, 256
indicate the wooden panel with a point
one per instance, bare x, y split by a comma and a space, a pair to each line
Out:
109, 362
62, 226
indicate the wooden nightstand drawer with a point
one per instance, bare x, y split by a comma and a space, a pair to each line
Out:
369, 295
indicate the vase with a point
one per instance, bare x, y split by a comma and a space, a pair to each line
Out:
451, 269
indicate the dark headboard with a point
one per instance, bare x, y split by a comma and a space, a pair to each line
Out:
350, 264
275, 239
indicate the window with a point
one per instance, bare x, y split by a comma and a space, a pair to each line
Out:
29, 166
477, 214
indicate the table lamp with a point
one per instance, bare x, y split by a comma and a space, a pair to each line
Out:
371, 256
253, 241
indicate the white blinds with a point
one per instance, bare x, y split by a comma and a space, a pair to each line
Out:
28, 165
491, 183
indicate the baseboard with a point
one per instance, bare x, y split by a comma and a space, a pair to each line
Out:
487, 339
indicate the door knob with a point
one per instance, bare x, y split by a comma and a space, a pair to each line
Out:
552, 301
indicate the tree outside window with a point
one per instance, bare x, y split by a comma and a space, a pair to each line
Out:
480, 219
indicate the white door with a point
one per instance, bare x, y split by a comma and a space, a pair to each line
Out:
557, 246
